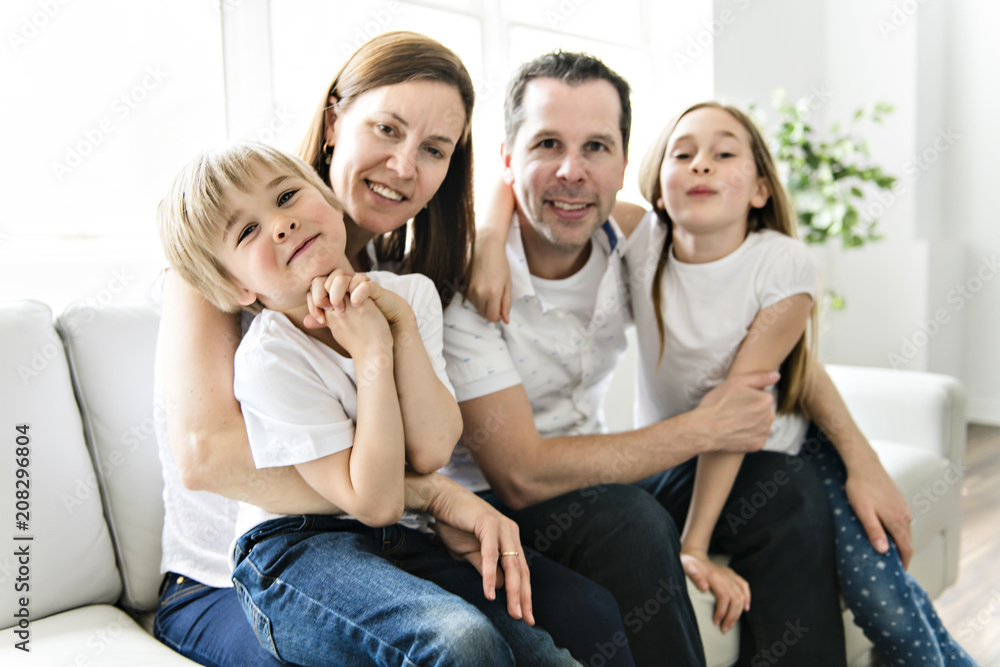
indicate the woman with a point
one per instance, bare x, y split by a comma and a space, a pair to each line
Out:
392, 139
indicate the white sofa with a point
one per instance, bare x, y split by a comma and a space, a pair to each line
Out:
83, 387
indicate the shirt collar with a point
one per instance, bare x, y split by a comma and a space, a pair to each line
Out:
608, 237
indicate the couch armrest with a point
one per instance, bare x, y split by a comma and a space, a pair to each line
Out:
925, 410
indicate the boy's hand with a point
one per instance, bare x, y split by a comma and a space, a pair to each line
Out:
329, 292
731, 591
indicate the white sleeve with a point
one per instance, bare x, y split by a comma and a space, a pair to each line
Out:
479, 362
791, 269
291, 414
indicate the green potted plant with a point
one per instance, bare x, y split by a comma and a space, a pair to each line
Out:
828, 175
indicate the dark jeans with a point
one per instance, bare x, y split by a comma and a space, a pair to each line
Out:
776, 524
620, 537
778, 527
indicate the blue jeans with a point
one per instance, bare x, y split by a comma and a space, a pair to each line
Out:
620, 537
888, 604
207, 625
383, 596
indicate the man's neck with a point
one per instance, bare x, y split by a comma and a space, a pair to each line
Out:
549, 261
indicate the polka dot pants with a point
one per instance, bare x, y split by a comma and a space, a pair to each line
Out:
889, 605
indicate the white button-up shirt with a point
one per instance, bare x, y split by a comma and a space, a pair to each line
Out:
564, 363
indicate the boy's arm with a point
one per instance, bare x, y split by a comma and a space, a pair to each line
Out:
196, 347
432, 423
366, 479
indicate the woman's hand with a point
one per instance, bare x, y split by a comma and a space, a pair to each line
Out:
731, 591
471, 529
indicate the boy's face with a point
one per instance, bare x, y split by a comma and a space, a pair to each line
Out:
280, 235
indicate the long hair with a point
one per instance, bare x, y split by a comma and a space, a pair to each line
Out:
777, 214
443, 233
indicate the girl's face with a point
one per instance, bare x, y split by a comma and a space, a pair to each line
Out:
391, 150
709, 179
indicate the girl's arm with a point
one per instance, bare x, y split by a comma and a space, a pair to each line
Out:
366, 479
770, 339
873, 494
489, 284
196, 347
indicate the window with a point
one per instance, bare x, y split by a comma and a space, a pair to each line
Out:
105, 100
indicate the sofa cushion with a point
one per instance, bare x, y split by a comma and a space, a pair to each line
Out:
95, 635
70, 560
111, 351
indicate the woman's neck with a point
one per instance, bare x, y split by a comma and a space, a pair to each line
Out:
706, 246
357, 238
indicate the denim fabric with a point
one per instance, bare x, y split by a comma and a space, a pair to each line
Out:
888, 604
325, 591
620, 537
777, 526
207, 625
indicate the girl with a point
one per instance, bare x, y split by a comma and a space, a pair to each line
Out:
732, 293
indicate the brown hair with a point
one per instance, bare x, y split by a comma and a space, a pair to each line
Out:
443, 233
777, 214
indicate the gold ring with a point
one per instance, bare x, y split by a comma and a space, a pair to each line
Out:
510, 553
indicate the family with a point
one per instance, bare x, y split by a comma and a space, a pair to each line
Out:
381, 428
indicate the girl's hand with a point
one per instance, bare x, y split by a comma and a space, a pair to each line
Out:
731, 591
879, 503
489, 285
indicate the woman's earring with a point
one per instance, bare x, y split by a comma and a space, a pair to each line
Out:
327, 152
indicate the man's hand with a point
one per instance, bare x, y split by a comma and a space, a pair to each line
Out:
738, 413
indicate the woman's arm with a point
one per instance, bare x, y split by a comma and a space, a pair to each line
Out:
471, 529
197, 344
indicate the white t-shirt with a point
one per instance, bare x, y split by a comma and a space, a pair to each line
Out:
563, 350
299, 396
707, 312
198, 526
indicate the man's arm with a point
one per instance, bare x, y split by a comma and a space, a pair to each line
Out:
523, 468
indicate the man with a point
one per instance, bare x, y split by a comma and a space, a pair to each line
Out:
531, 393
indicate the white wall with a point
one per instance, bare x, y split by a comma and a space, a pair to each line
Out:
938, 64
972, 184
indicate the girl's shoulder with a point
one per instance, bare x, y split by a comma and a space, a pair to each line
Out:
773, 243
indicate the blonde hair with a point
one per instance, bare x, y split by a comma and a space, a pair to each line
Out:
443, 232
191, 218
777, 214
